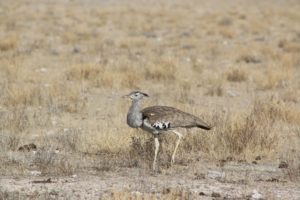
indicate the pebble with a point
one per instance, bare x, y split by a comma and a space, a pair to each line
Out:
256, 195
215, 174
35, 173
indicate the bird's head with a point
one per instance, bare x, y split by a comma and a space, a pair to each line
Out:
136, 95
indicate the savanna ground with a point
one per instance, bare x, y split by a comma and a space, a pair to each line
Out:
64, 66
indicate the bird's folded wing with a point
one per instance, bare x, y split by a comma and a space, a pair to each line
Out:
163, 117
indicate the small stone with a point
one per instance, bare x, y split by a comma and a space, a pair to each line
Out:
74, 176
254, 162
66, 129
43, 70
257, 158
256, 195
28, 147
272, 179
242, 161
76, 49
201, 193
215, 174
229, 158
166, 191
35, 173
215, 194
199, 176
53, 192
283, 164
232, 93
222, 162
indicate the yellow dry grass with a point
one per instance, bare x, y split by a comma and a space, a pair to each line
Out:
9, 42
75, 62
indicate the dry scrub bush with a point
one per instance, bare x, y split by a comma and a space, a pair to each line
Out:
14, 121
64, 97
59, 96
278, 73
277, 110
237, 75
291, 95
227, 32
162, 70
291, 155
23, 94
240, 135
141, 151
273, 78
9, 42
158, 74
104, 76
68, 139
12, 71
184, 91
215, 90
82, 72
130, 80
94, 74
23, 89
215, 84
9, 142
48, 161
289, 46
130, 43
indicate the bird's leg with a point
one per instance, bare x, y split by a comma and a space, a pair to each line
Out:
179, 135
156, 151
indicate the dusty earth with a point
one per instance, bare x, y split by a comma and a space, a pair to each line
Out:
65, 64
228, 180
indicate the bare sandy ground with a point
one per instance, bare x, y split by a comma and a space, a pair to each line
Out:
231, 181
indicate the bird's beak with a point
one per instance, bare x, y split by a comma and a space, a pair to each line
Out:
125, 96
146, 95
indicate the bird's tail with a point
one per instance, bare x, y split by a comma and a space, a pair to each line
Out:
204, 126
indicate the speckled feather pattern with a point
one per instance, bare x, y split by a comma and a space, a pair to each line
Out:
164, 118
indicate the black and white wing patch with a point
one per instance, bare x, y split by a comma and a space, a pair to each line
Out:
161, 125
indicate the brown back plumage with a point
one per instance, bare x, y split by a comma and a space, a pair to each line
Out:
175, 117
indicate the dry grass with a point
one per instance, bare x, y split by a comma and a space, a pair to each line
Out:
290, 46
9, 42
23, 95
15, 121
274, 78
167, 194
188, 55
239, 135
237, 75
215, 91
83, 72
162, 71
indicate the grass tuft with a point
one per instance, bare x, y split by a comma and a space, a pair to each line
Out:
9, 42
236, 75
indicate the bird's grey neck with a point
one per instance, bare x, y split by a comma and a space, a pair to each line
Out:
135, 106
134, 116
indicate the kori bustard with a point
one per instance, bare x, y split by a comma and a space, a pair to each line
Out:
159, 119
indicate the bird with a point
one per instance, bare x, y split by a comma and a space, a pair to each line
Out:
160, 119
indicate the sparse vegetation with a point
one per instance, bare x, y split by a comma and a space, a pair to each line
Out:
64, 67
9, 42
236, 75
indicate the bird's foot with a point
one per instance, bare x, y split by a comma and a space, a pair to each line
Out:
172, 160
154, 166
